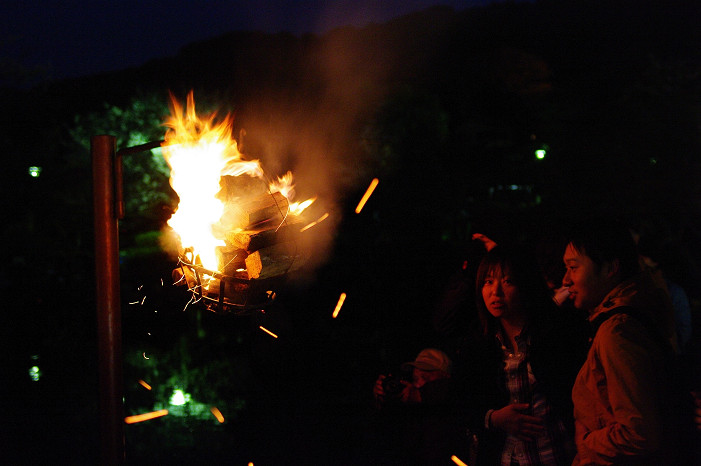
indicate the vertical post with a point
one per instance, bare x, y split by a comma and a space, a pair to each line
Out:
109, 326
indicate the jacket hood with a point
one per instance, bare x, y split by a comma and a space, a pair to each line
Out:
648, 302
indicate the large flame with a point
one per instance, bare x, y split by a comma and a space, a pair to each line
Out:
200, 151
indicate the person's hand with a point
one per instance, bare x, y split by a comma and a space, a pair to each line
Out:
512, 420
488, 243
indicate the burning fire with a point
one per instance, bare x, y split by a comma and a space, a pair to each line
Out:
200, 153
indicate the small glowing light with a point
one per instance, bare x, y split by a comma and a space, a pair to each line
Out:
35, 373
34, 172
217, 414
144, 354
145, 416
145, 385
542, 151
341, 299
366, 196
267, 331
458, 461
179, 398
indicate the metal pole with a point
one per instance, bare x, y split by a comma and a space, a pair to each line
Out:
109, 325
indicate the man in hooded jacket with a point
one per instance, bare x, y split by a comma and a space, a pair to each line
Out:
623, 395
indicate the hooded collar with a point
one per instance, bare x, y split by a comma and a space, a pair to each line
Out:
638, 295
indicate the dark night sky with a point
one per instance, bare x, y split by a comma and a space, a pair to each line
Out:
79, 37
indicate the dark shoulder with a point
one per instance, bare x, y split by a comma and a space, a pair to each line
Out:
564, 337
476, 350
566, 322
622, 328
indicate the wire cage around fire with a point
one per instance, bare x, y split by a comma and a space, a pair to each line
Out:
224, 293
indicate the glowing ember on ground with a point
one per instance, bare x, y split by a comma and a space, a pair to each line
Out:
217, 414
145, 416
366, 196
145, 385
341, 299
267, 331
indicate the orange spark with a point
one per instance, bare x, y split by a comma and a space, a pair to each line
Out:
145, 416
145, 385
458, 461
267, 331
217, 414
320, 219
339, 304
366, 196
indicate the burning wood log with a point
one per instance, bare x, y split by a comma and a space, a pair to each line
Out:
249, 202
253, 240
231, 261
269, 248
184, 276
274, 261
253, 260
269, 208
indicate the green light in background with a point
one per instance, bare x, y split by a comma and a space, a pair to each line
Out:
179, 398
35, 373
541, 152
34, 172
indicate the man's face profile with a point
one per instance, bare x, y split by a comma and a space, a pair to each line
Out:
588, 284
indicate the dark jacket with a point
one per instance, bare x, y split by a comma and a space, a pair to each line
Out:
558, 346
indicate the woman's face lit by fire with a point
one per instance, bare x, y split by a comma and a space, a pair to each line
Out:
500, 293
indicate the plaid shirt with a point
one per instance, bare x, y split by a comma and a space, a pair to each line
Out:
552, 447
